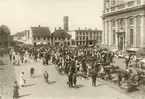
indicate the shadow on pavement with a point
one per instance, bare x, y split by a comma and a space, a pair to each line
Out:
29, 85
51, 82
78, 86
134, 89
24, 95
1, 68
37, 76
99, 85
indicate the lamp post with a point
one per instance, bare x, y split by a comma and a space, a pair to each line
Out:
1, 37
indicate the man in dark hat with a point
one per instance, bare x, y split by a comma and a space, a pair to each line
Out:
32, 72
94, 76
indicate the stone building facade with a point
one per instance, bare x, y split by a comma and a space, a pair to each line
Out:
88, 37
61, 37
124, 24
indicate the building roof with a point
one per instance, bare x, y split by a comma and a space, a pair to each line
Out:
61, 33
88, 30
40, 31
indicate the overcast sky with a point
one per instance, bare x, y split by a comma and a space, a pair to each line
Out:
19, 15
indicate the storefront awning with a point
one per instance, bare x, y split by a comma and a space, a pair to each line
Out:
44, 42
38, 43
133, 49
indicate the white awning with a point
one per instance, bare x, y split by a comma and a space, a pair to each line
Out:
143, 60
114, 50
44, 42
133, 49
38, 43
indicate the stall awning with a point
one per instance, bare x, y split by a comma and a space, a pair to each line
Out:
44, 42
114, 50
38, 43
133, 49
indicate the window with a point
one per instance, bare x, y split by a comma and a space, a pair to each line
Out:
138, 20
68, 38
63, 38
114, 37
113, 24
121, 2
94, 33
38, 38
80, 38
90, 37
113, 2
138, 1
44, 38
77, 38
80, 33
131, 37
107, 24
34, 38
86, 33
91, 33
131, 21
83, 38
48, 38
59, 38
55, 38
86, 38
100, 38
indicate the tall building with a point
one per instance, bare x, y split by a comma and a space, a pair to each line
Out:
34, 36
65, 23
61, 38
124, 24
88, 37
40, 35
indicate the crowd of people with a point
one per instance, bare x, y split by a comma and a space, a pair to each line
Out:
73, 62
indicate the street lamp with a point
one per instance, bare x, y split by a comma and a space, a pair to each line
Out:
1, 37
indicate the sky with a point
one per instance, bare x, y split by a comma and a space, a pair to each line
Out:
20, 15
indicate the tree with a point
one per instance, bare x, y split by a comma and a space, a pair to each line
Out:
4, 35
4, 29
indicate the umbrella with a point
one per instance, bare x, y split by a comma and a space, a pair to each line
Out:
143, 61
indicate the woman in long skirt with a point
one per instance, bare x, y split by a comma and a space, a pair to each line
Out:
22, 80
16, 90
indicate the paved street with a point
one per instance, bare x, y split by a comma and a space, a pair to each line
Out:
57, 88
7, 77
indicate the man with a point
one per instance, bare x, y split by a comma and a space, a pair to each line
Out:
32, 72
46, 75
74, 79
127, 62
94, 76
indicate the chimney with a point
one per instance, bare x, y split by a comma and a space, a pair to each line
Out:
85, 28
79, 28
38, 25
59, 28
96, 28
65, 23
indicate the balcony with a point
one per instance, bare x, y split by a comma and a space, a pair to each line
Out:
131, 3
113, 8
121, 6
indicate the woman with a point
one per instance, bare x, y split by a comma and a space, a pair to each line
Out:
22, 80
16, 90
46, 75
